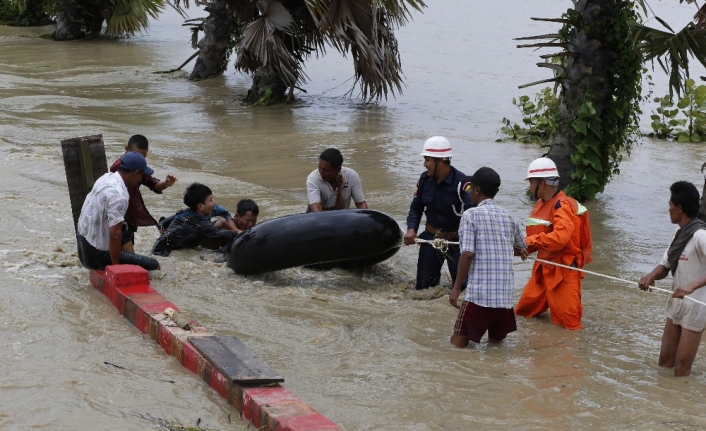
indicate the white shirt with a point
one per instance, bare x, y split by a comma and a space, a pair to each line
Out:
320, 191
692, 266
104, 207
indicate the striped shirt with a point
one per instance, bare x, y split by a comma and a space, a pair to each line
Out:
491, 233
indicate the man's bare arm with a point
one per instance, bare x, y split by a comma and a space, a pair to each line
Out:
116, 237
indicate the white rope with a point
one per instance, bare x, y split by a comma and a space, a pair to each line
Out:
442, 245
585, 271
438, 243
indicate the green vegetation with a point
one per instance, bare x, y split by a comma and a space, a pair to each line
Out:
687, 121
25, 13
539, 117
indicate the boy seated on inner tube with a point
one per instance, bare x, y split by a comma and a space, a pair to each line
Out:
193, 226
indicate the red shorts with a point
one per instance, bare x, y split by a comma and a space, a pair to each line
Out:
473, 321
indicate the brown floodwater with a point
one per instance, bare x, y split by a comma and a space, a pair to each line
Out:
360, 347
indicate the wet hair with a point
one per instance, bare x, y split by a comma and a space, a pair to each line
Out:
246, 205
332, 156
686, 195
196, 194
138, 142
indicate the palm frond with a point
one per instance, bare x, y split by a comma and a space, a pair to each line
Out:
131, 16
243, 10
364, 29
672, 50
398, 11
263, 44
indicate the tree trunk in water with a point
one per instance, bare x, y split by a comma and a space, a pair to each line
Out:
263, 81
70, 22
75, 22
217, 31
584, 79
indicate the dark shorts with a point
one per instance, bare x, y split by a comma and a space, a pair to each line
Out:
473, 321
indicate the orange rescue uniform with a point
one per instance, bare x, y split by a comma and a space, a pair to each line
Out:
554, 231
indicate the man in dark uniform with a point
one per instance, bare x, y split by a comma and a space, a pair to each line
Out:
439, 192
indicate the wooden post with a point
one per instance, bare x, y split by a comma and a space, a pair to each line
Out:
85, 162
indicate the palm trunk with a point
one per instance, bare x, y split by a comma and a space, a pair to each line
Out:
267, 87
585, 78
70, 22
75, 21
217, 29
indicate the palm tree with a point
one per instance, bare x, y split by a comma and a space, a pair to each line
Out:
599, 75
77, 19
273, 39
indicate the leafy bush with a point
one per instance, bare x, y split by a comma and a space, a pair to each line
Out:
686, 122
25, 13
539, 117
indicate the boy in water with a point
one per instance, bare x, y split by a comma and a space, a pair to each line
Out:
246, 215
137, 214
489, 237
188, 227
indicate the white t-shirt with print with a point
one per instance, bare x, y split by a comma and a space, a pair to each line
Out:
104, 207
318, 190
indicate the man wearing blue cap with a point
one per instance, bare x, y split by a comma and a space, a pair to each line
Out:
99, 228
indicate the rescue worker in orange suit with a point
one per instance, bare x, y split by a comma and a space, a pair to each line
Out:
559, 231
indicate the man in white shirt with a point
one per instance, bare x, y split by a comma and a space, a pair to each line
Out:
99, 228
331, 186
686, 260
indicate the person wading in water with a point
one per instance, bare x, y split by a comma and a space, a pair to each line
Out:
439, 196
686, 260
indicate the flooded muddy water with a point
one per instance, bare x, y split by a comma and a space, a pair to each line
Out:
361, 347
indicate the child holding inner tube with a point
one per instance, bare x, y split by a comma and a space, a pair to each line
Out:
189, 227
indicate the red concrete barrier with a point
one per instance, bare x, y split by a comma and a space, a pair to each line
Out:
271, 408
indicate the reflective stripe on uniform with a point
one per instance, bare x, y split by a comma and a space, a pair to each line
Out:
537, 222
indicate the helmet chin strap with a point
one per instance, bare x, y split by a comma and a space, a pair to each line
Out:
536, 189
436, 166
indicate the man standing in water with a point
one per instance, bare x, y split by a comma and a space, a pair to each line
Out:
331, 186
558, 230
439, 196
99, 228
489, 238
137, 214
686, 259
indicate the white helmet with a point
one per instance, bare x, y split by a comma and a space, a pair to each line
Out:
438, 147
543, 167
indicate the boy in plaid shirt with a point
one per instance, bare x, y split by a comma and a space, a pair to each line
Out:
489, 238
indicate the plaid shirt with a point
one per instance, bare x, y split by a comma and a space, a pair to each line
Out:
491, 233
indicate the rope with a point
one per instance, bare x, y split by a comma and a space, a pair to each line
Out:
443, 245
438, 243
585, 271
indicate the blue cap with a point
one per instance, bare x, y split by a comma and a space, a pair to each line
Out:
134, 161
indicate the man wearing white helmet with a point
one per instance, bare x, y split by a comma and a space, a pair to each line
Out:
559, 231
439, 196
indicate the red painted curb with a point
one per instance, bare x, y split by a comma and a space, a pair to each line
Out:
269, 408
